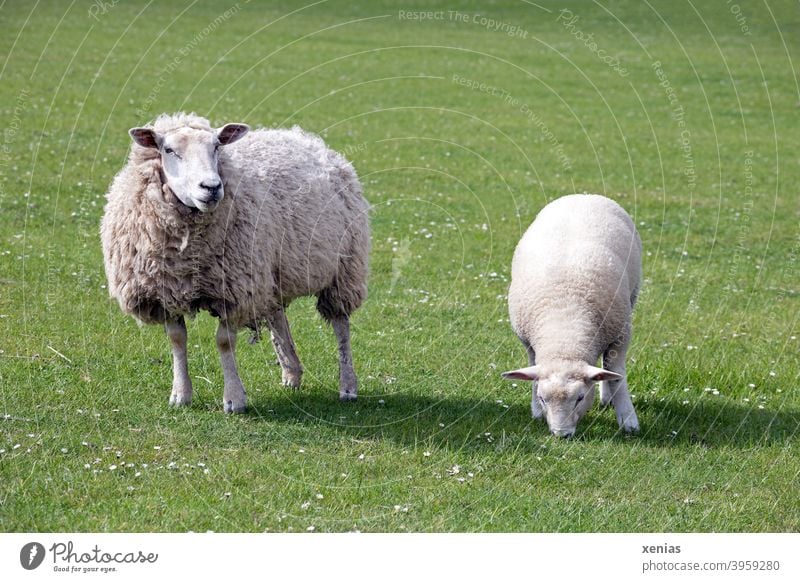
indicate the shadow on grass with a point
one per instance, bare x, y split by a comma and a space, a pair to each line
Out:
463, 423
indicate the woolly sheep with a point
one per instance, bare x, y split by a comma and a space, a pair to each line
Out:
239, 224
574, 281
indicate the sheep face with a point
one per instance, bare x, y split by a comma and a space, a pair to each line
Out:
190, 160
565, 391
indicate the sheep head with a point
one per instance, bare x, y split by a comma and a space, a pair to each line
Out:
565, 391
190, 160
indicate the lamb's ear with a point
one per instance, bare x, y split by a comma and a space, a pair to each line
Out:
145, 137
530, 373
594, 374
232, 132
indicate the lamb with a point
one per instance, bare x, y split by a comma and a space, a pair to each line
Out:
238, 223
574, 281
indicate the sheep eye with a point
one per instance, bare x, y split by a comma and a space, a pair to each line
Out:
168, 150
578, 399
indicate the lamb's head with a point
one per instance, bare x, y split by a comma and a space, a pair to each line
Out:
190, 159
565, 390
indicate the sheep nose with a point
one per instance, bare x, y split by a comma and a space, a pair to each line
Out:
212, 187
565, 433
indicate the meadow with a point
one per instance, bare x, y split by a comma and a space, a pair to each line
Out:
463, 119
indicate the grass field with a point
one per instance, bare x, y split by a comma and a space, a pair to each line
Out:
462, 124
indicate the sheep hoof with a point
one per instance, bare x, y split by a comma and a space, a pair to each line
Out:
347, 395
176, 399
291, 380
632, 428
630, 424
232, 407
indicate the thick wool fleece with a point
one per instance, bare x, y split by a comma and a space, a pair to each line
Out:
292, 222
574, 279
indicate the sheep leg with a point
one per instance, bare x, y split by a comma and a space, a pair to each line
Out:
291, 368
616, 391
536, 406
348, 383
181, 383
234, 399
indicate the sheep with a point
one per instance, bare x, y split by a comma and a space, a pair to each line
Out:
238, 223
574, 281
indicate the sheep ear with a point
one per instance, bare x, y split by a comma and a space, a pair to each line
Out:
594, 374
531, 373
232, 132
145, 137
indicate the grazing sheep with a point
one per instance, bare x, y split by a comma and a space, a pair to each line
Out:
574, 281
239, 224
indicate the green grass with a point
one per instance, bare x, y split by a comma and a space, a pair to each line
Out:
455, 174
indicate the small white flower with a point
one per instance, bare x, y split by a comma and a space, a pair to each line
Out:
64, 450
425, 454
361, 457
305, 505
112, 468
138, 474
319, 496
310, 528
156, 448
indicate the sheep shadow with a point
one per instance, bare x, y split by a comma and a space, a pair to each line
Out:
455, 423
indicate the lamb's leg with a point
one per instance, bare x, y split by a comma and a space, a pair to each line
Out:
234, 398
616, 391
292, 370
348, 383
536, 406
181, 383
